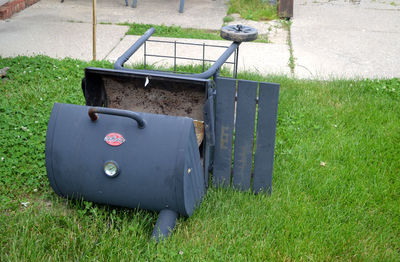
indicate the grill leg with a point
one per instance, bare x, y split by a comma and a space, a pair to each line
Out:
165, 224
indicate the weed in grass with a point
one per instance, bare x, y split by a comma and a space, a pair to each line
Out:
292, 60
253, 9
228, 19
347, 209
263, 39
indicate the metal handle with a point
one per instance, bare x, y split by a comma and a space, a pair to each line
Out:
119, 64
93, 111
205, 75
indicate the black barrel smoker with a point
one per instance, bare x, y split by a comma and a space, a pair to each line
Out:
123, 158
140, 141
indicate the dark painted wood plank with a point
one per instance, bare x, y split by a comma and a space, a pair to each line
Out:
207, 154
224, 117
209, 132
265, 139
244, 133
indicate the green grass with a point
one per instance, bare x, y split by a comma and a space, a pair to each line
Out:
173, 31
348, 209
182, 69
179, 32
253, 9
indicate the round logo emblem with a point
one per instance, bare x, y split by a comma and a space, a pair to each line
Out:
114, 139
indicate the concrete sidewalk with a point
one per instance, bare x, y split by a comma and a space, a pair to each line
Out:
346, 39
330, 39
205, 14
64, 30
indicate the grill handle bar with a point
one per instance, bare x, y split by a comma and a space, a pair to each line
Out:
220, 61
128, 53
93, 111
205, 75
212, 71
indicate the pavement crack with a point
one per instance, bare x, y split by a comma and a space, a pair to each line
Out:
291, 63
115, 46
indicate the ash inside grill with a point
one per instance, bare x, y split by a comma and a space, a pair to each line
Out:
157, 97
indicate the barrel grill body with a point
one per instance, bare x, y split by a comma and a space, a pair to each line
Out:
158, 166
157, 94
145, 138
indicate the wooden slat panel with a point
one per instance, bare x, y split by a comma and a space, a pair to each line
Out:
224, 107
207, 154
244, 134
265, 140
209, 117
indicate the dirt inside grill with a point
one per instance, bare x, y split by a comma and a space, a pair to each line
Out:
158, 97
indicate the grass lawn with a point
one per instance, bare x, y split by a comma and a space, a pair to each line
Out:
336, 187
253, 9
179, 32
172, 31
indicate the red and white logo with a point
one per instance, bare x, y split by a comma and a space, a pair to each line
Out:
114, 139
